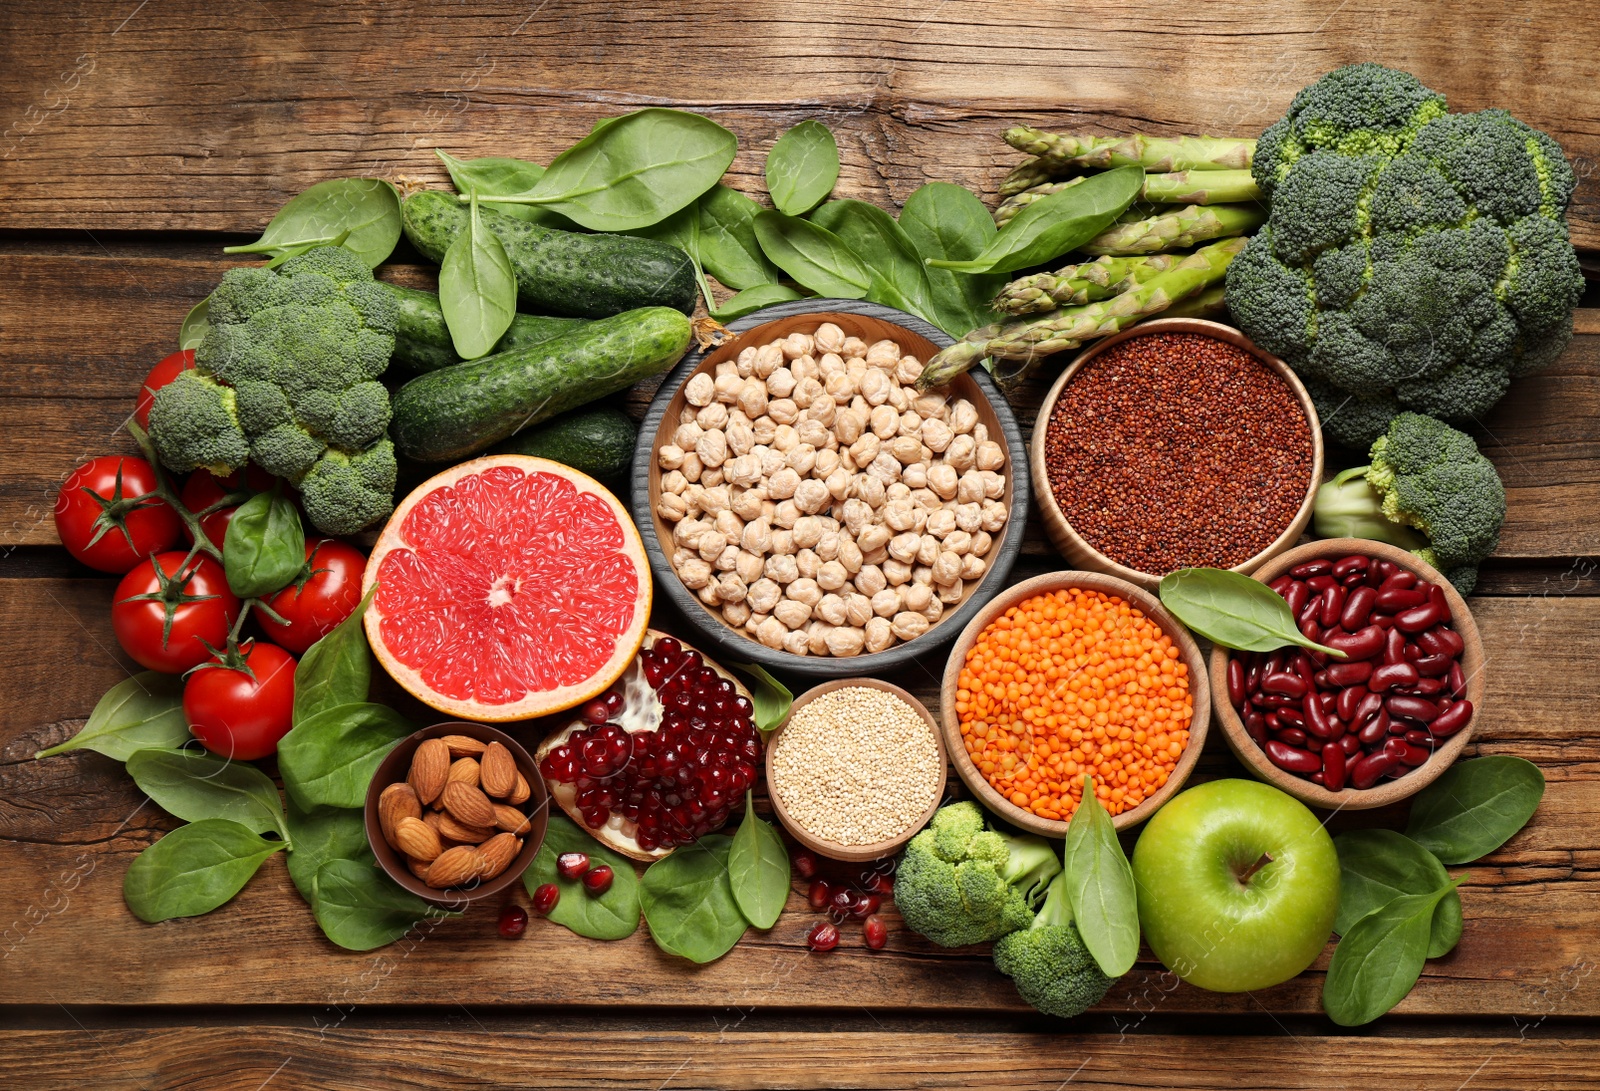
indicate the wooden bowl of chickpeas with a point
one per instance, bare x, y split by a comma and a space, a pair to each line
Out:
807, 509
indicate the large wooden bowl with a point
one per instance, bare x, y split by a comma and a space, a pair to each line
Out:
871, 322
1079, 552
833, 849
1385, 791
1199, 689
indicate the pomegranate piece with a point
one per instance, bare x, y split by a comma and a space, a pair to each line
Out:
805, 865
571, 865
545, 898
818, 894
513, 920
875, 932
597, 880
865, 906
823, 937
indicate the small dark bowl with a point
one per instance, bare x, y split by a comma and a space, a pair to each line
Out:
394, 769
917, 336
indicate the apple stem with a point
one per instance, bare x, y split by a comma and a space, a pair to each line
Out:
1266, 858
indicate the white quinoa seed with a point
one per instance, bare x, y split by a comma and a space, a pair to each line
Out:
856, 766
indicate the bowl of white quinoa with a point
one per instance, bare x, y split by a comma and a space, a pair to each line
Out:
857, 769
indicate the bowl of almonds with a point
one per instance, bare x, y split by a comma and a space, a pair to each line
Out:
456, 812
808, 508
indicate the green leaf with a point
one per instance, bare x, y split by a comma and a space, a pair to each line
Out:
322, 834
265, 545
1475, 807
728, 245
194, 869
614, 914
1377, 866
137, 713
330, 758
802, 167
1060, 222
1231, 609
771, 698
336, 670
367, 208
634, 171
815, 257
195, 787
477, 289
688, 901
1100, 886
358, 907
758, 869
1380, 958
493, 176
950, 223
898, 279
196, 324
753, 299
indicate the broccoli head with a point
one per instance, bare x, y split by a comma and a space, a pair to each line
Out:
1412, 257
961, 883
1048, 962
287, 377
1428, 490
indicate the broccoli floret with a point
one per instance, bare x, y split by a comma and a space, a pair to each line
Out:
1048, 962
1349, 418
1411, 255
290, 368
961, 883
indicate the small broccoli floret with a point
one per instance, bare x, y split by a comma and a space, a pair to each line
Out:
960, 883
1048, 962
1348, 418
194, 421
345, 493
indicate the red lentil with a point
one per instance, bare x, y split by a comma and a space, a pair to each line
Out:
1178, 449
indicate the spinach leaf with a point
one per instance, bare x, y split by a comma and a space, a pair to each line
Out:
195, 787
1060, 222
753, 299
1377, 866
367, 209
336, 670
1231, 609
194, 869
949, 222
1100, 886
802, 167
728, 245
898, 279
614, 914
196, 324
477, 288
322, 834
493, 176
758, 868
815, 257
771, 697
634, 171
688, 901
1475, 807
265, 545
358, 907
328, 759
135, 714
1380, 958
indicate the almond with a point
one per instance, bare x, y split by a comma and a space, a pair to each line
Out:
511, 820
519, 795
453, 867
432, 820
419, 868
394, 803
467, 805
499, 774
452, 830
464, 770
430, 768
462, 746
416, 838
498, 852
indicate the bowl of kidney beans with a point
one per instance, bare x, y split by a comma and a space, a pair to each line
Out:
1377, 725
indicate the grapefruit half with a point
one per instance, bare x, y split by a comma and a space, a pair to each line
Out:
509, 587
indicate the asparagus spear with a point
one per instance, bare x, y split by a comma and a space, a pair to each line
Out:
1061, 152
1026, 175
1017, 202
1027, 341
1180, 188
1078, 284
1209, 303
1176, 229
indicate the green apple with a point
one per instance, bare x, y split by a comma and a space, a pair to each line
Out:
1238, 885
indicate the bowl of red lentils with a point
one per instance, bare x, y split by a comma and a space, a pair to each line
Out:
1071, 674
1174, 444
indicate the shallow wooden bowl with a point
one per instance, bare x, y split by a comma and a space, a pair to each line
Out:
832, 849
1385, 791
1083, 555
1199, 689
871, 322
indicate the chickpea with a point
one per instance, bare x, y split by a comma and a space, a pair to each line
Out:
903, 547
710, 545
844, 642
865, 449
710, 594
878, 635
940, 523
962, 453
915, 476
699, 390
811, 496
934, 610
944, 481
727, 385
771, 632
873, 537
916, 595
735, 613
946, 568
885, 422
831, 576
853, 346
765, 429
752, 398
887, 603
951, 592
828, 462
711, 476
849, 425
798, 344
782, 568
801, 458
981, 542
817, 637
838, 485
804, 590
969, 488
769, 358
782, 485
783, 410
927, 549
743, 470
857, 609
994, 515
875, 387
973, 567
714, 415
729, 525
691, 467
830, 608
870, 580
749, 566
804, 367
807, 561
883, 354
695, 573
807, 392
958, 542
763, 595
969, 517
937, 435
871, 490
671, 507
907, 370
850, 556
885, 467
731, 588
714, 499
746, 360
908, 626
792, 613
757, 536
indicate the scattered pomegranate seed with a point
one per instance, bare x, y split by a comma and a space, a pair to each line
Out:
597, 880
823, 937
597, 711
513, 919
570, 865
843, 900
865, 906
875, 932
544, 899
880, 883
805, 865
818, 894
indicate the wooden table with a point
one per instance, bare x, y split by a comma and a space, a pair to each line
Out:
140, 137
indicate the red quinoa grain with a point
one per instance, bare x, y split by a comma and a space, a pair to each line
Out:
1178, 449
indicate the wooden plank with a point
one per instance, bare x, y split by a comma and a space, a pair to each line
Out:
99, 134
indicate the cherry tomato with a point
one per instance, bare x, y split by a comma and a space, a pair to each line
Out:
100, 495
326, 598
160, 375
203, 489
239, 716
201, 605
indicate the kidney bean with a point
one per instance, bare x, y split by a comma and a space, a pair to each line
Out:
1357, 609
1256, 725
1317, 778
1458, 681
1281, 584
1371, 704
1426, 687
1291, 736
1390, 675
1292, 758
1354, 580
1362, 644
1320, 584
1374, 729
1411, 653
1383, 621
1311, 630
1289, 716
1305, 571
1451, 718
1235, 682
1309, 609
1339, 675
1353, 563
1432, 666
1271, 701
1300, 663
1384, 568
1349, 700
1411, 708
1399, 598
1317, 722
1397, 771
1332, 612
1394, 646
1333, 766
1274, 663
1252, 676
1287, 684
1350, 744
1419, 738
1442, 640
1296, 596
1366, 772
1272, 722
1419, 618
1437, 596
1398, 578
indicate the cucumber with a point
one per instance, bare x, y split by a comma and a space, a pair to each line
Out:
422, 341
597, 439
461, 410
562, 272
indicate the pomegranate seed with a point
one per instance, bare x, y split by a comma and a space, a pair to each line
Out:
513, 919
818, 893
805, 865
875, 932
865, 906
842, 901
597, 880
823, 937
545, 898
597, 711
879, 883
570, 865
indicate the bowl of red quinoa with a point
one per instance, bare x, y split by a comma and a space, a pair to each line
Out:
1174, 444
